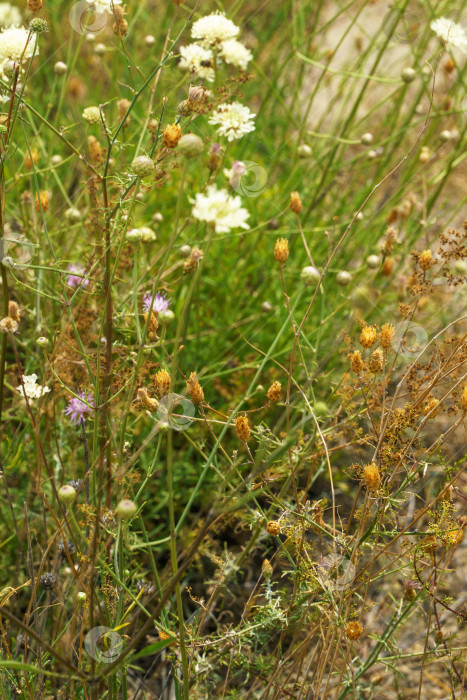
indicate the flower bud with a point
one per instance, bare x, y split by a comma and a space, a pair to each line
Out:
73, 215
190, 145
92, 115
408, 75
343, 278
42, 342
304, 151
126, 509
67, 493
143, 166
373, 261
366, 139
310, 276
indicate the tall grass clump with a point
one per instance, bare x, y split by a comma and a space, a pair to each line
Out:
233, 349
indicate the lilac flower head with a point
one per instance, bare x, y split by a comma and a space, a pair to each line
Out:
159, 303
77, 408
77, 280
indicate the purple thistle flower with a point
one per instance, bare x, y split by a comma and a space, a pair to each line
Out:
77, 408
160, 302
76, 280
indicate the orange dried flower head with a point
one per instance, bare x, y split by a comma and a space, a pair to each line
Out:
463, 400
195, 389
387, 267
172, 135
242, 428
386, 335
371, 476
353, 630
31, 158
34, 5
368, 336
356, 362
148, 403
95, 149
431, 407
295, 202
42, 201
274, 391
425, 260
266, 568
376, 361
162, 380
13, 311
153, 323
273, 527
281, 250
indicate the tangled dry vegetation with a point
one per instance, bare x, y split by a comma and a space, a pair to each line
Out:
233, 350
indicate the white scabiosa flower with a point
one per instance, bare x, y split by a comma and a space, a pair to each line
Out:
9, 15
17, 43
219, 208
198, 60
31, 387
452, 33
101, 6
234, 120
214, 28
235, 53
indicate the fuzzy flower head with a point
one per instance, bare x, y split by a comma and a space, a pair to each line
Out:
31, 387
101, 6
78, 407
450, 32
222, 210
159, 303
78, 279
214, 28
9, 15
235, 53
234, 120
197, 60
17, 43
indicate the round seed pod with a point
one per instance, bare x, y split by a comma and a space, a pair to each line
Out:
408, 75
143, 166
126, 509
310, 276
343, 278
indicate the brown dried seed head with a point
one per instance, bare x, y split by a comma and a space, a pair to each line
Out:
31, 158
153, 323
295, 202
13, 311
463, 400
371, 476
281, 250
42, 201
123, 106
431, 407
8, 325
148, 403
353, 630
376, 361
95, 149
274, 391
120, 27
356, 362
386, 335
387, 267
242, 428
195, 389
162, 380
172, 135
273, 527
368, 336
266, 568
426, 260
34, 5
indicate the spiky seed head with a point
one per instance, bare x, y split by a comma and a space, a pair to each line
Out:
281, 250
371, 476
368, 336
354, 630
273, 527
